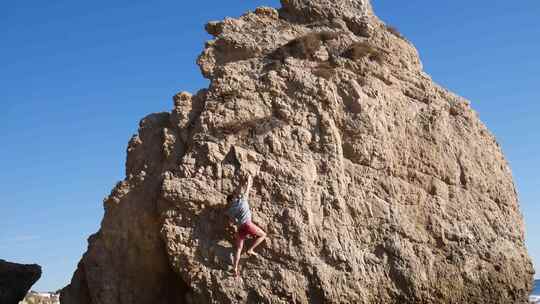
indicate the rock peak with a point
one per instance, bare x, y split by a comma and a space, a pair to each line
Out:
310, 10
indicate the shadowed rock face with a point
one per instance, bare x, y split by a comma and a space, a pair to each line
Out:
375, 184
16, 280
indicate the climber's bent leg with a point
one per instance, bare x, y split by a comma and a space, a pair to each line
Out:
259, 234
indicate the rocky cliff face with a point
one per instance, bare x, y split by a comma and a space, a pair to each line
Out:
16, 280
375, 184
41, 298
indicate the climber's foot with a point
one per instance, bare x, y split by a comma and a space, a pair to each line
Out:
252, 253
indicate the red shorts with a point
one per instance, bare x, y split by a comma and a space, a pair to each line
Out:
247, 228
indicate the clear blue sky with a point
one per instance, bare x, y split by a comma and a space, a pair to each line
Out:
76, 77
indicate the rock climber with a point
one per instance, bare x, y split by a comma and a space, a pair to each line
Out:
240, 213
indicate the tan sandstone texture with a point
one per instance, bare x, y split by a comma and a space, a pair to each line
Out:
41, 298
375, 184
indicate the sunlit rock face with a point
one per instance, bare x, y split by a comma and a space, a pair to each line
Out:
375, 184
41, 298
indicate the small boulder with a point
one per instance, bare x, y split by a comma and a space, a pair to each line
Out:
16, 280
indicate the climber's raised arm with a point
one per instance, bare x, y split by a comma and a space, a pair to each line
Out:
246, 187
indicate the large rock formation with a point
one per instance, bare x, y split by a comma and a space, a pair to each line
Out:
375, 184
16, 280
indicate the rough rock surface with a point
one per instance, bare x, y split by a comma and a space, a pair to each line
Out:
375, 184
16, 280
41, 298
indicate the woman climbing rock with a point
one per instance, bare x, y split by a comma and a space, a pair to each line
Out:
239, 211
